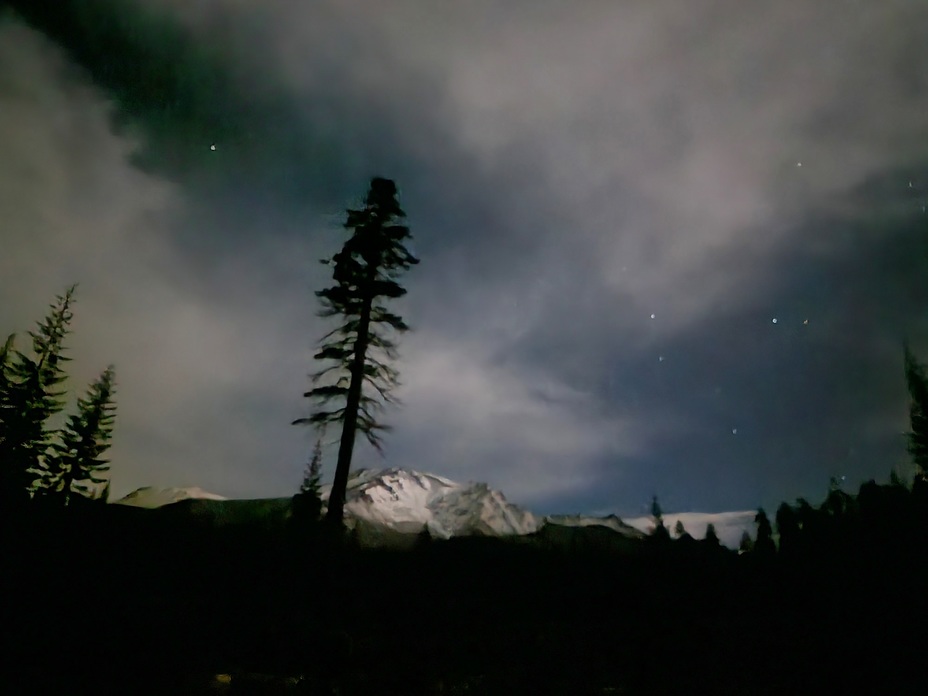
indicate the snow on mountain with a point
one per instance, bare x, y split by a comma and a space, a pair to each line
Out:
611, 522
407, 502
410, 501
151, 497
728, 525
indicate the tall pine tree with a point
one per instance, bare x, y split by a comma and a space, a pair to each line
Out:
76, 468
365, 271
30, 397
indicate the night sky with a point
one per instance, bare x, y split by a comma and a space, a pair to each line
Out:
667, 247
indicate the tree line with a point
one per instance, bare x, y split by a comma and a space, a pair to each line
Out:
58, 465
890, 516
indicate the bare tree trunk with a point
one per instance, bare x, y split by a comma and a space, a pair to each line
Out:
350, 424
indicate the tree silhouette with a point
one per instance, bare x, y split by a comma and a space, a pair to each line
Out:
746, 545
659, 531
29, 398
763, 544
787, 528
76, 467
917, 383
364, 271
712, 537
6, 404
678, 529
313, 474
810, 522
308, 502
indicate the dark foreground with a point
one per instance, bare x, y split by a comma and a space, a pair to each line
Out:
121, 601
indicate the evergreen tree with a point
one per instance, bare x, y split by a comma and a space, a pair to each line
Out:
896, 480
787, 527
808, 516
365, 270
307, 504
917, 383
313, 474
763, 544
678, 529
746, 544
76, 467
659, 531
30, 397
712, 537
838, 504
6, 405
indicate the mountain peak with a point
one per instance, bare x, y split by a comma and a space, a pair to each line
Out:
154, 497
408, 502
412, 501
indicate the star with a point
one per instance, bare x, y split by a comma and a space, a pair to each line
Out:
798, 164
660, 358
805, 322
213, 147
774, 320
652, 316
734, 431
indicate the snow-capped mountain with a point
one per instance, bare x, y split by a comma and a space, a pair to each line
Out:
406, 502
611, 522
410, 501
151, 497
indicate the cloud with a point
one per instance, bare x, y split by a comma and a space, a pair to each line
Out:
644, 157
76, 209
569, 171
521, 430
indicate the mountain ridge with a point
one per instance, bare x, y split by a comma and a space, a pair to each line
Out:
410, 502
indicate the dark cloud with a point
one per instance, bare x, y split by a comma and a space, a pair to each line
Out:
569, 171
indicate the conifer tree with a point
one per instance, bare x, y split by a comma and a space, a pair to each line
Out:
712, 537
308, 502
746, 545
365, 270
6, 353
917, 383
30, 397
787, 528
76, 467
763, 544
678, 529
896, 480
659, 531
313, 474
